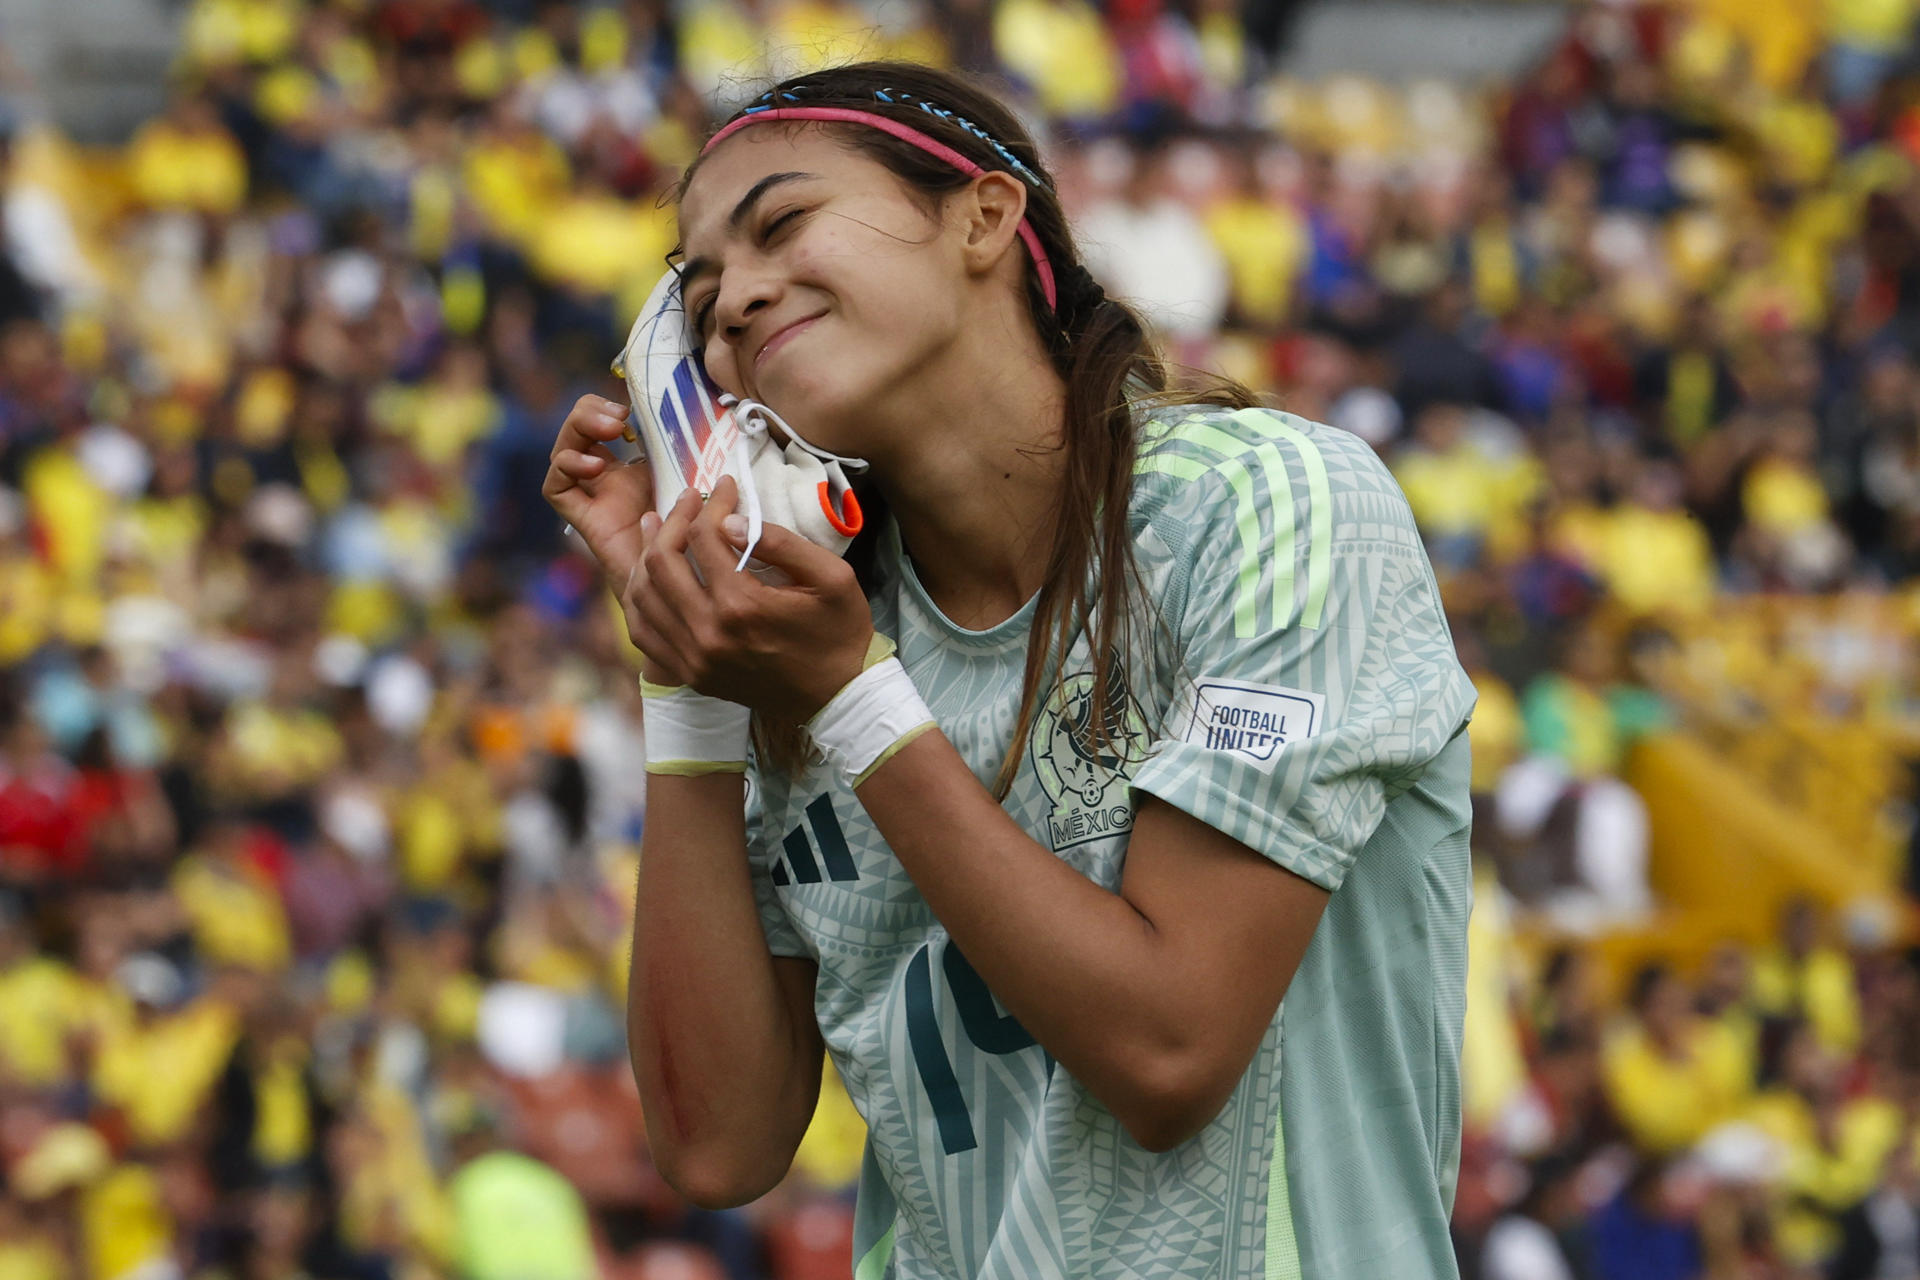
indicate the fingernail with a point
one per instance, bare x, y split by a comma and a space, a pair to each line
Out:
735, 526
650, 524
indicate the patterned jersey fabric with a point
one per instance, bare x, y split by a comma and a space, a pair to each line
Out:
1300, 694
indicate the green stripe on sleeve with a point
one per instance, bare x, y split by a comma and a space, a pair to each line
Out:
1229, 456
1320, 549
1247, 519
1279, 493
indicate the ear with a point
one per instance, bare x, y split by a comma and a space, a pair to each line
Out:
991, 211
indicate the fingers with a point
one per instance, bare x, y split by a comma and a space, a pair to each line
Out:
581, 466
598, 495
715, 553
807, 564
649, 641
592, 420
655, 626
580, 454
668, 570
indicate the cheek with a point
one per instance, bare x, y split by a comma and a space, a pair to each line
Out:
881, 260
893, 305
722, 365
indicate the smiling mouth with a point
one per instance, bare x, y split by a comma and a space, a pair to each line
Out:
781, 338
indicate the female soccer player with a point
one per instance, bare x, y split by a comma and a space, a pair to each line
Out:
1174, 730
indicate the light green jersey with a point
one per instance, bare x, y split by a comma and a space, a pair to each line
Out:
1303, 697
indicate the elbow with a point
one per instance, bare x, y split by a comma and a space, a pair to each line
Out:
717, 1171
1158, 1136
1170, 1101
1160, 1130
709, 1181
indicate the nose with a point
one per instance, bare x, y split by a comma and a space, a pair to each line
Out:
745, 292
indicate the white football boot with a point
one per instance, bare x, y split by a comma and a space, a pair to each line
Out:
692, 433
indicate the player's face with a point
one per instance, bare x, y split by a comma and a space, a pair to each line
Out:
817, 281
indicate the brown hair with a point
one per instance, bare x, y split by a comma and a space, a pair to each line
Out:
1100, 349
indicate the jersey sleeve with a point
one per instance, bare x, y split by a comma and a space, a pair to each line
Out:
782, 938
1315, 675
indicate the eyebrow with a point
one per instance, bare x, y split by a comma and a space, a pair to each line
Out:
741, 212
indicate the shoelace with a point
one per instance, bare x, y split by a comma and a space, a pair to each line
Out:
754, 420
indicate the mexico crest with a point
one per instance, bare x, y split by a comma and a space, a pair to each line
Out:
1087, 784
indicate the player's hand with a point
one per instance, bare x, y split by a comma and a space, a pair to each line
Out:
601, 497
784, 651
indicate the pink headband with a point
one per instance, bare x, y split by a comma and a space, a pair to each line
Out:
906, 133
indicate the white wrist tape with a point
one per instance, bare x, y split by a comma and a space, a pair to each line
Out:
878, 712
690, 734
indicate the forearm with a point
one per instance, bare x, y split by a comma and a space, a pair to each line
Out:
727, 1078
1083, 970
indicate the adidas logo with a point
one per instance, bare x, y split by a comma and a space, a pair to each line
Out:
799, 864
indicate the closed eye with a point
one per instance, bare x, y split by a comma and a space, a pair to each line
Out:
778, 223
702, 313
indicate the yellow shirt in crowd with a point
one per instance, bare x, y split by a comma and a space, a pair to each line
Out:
1780, 35
597, 242
1264, 245
1653, 562
1824, 1176
218, 32
1063, 49
1496, 733
32, 1258
201, 171
812, 34
36, 1015
1493, 1066
1781, 497
29, 598
72, 510
513, 182
442, 422
283, 1124
1670, 1103
717, 40
1467, 492
124, 1223
1820, 989
236, 913
280, 747
158, 1072
394, 1185
1881, 25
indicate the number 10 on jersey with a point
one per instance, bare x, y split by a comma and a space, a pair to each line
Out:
988, 1029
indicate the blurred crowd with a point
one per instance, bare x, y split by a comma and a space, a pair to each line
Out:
318, 800
1752, 1118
